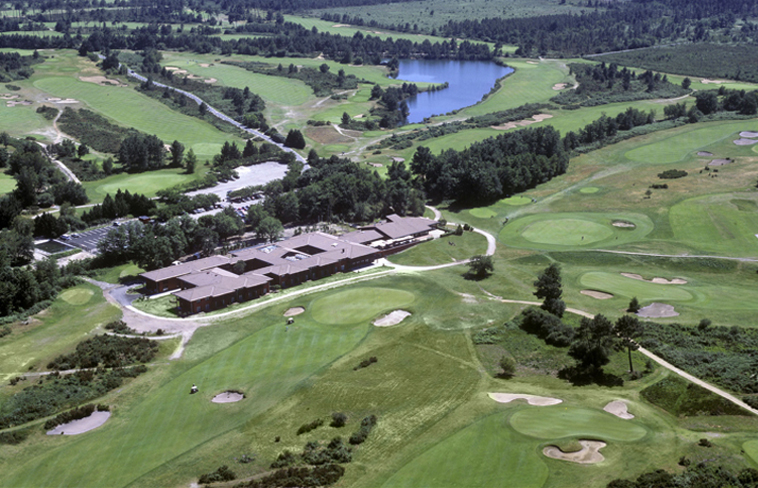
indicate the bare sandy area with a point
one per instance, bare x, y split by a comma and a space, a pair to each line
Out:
9, 96
21, 102
359, 116
745, 142
537, 401
392, 318
82, 425
101, 80
623, 224
291, 312
618, 408
600, 295
559, 86
658, 310
749, 134
704, 153
706, 81
660, 281
376, 165
523, 123
211, 80
341, 25
588, 454
205, 65
720, 162
228, 397
532, 62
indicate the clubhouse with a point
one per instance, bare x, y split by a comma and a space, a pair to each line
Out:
215, 282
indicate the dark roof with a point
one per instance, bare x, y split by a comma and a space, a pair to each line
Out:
209, 284
397, 227
362, 236
185, 268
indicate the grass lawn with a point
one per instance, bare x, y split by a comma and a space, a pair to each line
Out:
439, 251
561, 421
147, 183
164, 306
7, 183
55, 330
359, 305
116, 274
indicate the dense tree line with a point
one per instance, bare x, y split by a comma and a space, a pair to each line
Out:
490, 169
13, 66
322, 80
703, 475
94, 130
120, 205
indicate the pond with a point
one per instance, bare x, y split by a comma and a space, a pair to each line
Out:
468, 82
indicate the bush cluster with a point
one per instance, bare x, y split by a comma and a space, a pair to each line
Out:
14, 436
672, 174
360, 436
365, 363
339, 419
107, 350
547, 327
305, 428
221, 474
325, 475
334, 452
119, 327
681, 398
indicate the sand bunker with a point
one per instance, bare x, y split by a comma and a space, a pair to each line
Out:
559, 86
624, 224
537, 401
618, 408
211, 80
720, 162
341, 25
294, 311
746, 142
660, 281
704, 153
588, 454
522, 123
205, 65
600, 295
20, 102
58, 100
392, 318
9, 96
82, 425
532, 62
171, 68
749, 134
706, 81
101, 80
657, 311
228, 397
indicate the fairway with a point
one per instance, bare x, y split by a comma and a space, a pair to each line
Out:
77, 295
443, 250
131, 109
628, 287
559, 421
485, 454
569, 232
516, 200
358, 305
589, 189
147, 183
482, 213
751, 448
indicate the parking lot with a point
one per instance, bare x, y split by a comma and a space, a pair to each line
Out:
87, 239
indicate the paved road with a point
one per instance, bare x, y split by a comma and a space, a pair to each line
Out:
69, 174
218, 114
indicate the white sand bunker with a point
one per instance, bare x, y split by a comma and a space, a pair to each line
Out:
704, 153
291, 312
537, 401
706, 81
588, 454
9, 96
657, 311
624, 224
58, 100
228, 397
211, 80
745, 142
559, 86
659, 281
75, 427
600, 295
618, 408
749, 134
101, 80
532, 62
522, 123
392, 318
205, 65
720, 162
20, 102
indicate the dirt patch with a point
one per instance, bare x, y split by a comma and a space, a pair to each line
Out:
101, 80
522, 123
559, 86
392, 318
748, 134
588, 454
294, 311
720, 162
657, 311
82, 425
326, 134
623, 224
660, 281
600, 295
228, 397
704, 153
537, 401
618, 408
706, 81
745, 142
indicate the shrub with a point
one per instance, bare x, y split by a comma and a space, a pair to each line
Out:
508, 365
221, 474
108, 351
339, 419
14, 437
285, 458
366, 363
704, 443
547, 327
305, 428
672, 174
367, 424
303, 477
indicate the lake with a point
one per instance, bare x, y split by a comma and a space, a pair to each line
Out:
469, 82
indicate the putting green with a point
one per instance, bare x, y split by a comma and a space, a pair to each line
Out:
629, 287
482, 213
751, 448
77, 296
569, 232
516, 201
589, 189
357, 305
487, 453
561, 421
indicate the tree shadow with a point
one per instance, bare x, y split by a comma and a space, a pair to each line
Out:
590, 376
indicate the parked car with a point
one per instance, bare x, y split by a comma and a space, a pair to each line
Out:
64, 237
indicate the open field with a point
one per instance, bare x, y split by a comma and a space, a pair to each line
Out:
443, 250
147, 183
